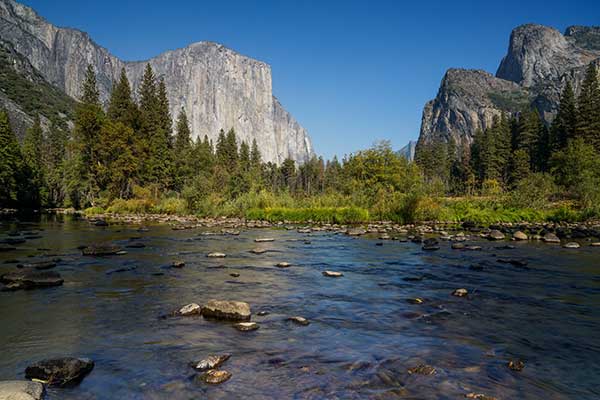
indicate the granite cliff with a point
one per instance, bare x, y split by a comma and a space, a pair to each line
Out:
219, 88
539, 62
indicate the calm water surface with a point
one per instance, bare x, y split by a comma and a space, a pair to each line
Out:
363, 335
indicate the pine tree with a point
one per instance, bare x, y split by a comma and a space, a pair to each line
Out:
231, 149
33, 155
588, 108
564, 126
89, 117
182, 151
520, 166
55, 159
255, 157
11, 164
121, 107
244, 157
530, 134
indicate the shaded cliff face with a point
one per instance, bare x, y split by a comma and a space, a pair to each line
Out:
539, 62
219, 88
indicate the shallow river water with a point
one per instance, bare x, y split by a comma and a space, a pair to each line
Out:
363, 335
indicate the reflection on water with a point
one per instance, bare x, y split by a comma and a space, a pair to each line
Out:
363, 335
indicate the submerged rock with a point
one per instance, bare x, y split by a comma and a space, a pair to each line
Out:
101, 250
479, 396
234, 274
458, 246
228, 310
264, 240
356, 232
21, 390
513, 261
214, 377
6, 247
211, 362
332, 274
422, 369
430, 244
572, 245
460, 292
60, 371
516, 365
30, 279
41, 265
416, 300
178, 264
258, 251
246, 326
299, 320
551, 238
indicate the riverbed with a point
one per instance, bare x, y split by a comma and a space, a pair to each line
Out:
365, 333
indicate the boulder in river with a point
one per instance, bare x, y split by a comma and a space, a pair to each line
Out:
283, 264
551, 238
178, 264
458, 246
258, 251
264, 240
211, 362
246, 326
479, 396
430, 244
520, 235
516, 365
227, 310
422, 369
416, 300
356, 232
216, 255
460, 292
21, 390
595, 244
190, 309
572, 245
332, 274
495, 235
30, 279
101, 250
214, 377
299, 320
60, 371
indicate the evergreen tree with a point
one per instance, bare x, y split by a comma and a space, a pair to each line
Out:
121, 107
116, 160
530, 135
182, 151
221, 149
520, 166
255, 157
564, 127
33, 155
55, 159
11, 164
588, 108
244, 157
231, 149
82, 184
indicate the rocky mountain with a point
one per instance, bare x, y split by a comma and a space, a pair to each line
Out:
539, 62
218, 88
408, 151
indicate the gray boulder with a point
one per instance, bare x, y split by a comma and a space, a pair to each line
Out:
227, 310
21, 390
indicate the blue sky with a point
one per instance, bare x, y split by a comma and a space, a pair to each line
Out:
351, 72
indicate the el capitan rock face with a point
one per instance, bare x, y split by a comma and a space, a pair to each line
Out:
539, 62
219, 88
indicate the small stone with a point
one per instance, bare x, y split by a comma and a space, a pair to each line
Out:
28, 278
41, 265
262, 313
473, 248
21, 390
572, 245
136, 246
246, 326
258, 251
516, 365
422, 370
416, 300
519, 235
60, 371
460, 292
431, 244
479, 396
332, 274
283, 265
234, 274
216, 255
190, 309
356, 232
299, 320
495, 235
178, 264
513, 261
211, 362
228, 310
595, 244
264, 240
214, 377
458, 246
101, 250
551, 238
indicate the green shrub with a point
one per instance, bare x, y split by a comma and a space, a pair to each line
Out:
535, 191
171, 205
131, 206
93, 211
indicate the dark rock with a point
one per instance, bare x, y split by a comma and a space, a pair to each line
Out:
41, 265
460, 292
5, 247
513, 261
136, 246
228, 310
431, 244
234, 274
30, 279
476, 267
516, 365
100, 222
422, 370
117, 270
60, 371
178, 264
13, 241
101, 250
211, 362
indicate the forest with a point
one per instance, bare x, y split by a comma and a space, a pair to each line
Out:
128, 158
